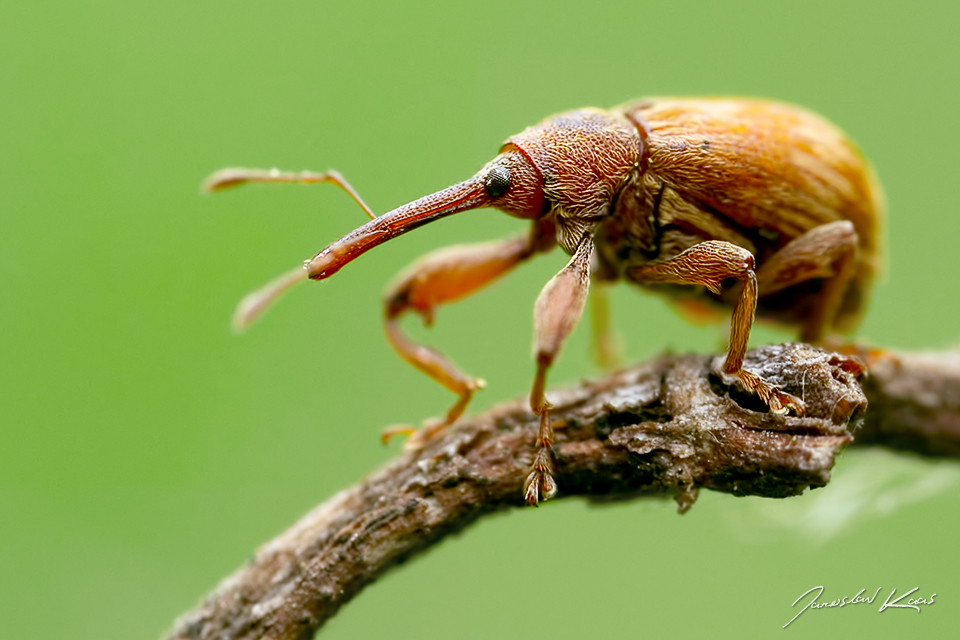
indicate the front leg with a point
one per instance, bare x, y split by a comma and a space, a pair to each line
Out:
709, 264
440, 277
555, 314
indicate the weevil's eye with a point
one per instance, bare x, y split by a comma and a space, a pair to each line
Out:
497, 181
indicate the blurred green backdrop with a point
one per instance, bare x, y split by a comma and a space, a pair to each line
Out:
145, 451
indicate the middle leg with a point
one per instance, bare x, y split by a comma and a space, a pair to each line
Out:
607, 351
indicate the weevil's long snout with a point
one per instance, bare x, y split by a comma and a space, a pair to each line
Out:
466, 195
470, 194
509, 182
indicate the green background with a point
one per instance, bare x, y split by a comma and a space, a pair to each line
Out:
145, 451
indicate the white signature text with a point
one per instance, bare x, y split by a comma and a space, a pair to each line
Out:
889, 603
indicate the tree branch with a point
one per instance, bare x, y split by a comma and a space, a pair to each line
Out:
667, 427
914, 403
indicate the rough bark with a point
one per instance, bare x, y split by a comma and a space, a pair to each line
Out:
667, 427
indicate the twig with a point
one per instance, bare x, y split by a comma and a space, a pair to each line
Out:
665, 427
914, 403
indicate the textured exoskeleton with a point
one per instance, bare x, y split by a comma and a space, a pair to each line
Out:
718, 202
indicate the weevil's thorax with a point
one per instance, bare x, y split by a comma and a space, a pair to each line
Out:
584, 158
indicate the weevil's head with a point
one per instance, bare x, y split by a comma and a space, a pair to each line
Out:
574, 161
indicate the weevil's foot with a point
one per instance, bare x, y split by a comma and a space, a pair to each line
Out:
389, 433
416, 438
779, 401
540, 483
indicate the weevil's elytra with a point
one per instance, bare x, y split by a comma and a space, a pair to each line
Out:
751, 205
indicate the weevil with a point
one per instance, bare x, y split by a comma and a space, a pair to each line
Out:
753, 204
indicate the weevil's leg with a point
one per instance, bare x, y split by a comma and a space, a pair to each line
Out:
606, 341
441, 277
236, 176
709, 264
557, 310
828, 251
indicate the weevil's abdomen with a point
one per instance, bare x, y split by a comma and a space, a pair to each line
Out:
764, 171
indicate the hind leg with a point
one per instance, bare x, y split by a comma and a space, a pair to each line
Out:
828, 251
